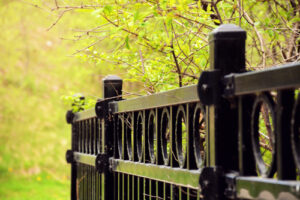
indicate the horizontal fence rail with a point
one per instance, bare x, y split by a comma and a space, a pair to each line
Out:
281, 77
174, 97
178, 176
257, 188
84, 115
234, 135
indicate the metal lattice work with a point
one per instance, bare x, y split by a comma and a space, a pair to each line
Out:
234, 135
88, 181
87, 143
158, 142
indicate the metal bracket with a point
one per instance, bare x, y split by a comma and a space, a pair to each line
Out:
230, 181
209, 90
69, 156
101, 108
212, 183
229, 85
112, 107
69, 116
112, 164
215, 184
102, 163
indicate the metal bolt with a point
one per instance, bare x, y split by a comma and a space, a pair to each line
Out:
206, 183
204, 88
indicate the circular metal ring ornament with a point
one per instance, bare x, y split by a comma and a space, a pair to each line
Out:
129, 135
181, 134
119, 135
165, 130
295, 124
152, 136
198, 140
263, 169
140, 136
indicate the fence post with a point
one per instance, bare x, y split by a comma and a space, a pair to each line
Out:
112, 87
227, 55
112, 91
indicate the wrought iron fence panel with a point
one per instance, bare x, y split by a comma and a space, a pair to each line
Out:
234, 135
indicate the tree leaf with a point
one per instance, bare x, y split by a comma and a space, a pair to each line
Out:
127, 42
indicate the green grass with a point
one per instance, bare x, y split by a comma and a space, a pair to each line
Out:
35, 187
35, 72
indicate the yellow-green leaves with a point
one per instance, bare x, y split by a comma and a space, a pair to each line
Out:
127, 42
107, 10
78, 102
169, 37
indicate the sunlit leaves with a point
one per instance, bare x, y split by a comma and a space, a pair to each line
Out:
145, 35
170, 37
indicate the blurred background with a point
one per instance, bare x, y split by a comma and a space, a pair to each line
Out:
36, 69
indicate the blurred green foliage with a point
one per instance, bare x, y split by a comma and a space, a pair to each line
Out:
163, 44
78, 102
36, 69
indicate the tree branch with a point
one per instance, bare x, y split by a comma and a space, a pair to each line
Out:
261, 41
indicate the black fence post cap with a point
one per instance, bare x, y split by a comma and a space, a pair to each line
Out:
112, 87
111, 78
227, 31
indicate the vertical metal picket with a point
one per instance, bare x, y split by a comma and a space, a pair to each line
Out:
286, 168
74, 147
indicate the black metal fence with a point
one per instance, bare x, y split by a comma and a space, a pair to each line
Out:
234, 135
